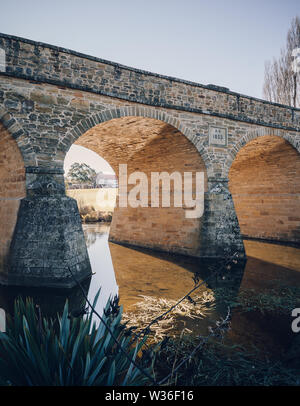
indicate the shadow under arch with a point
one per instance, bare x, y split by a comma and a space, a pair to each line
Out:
265, 185
147, 144
96, 118
254, 134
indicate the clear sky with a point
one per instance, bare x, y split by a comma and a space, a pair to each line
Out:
84, 155
223, 42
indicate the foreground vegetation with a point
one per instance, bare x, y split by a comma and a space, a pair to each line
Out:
70, 350
220, 364
220, 361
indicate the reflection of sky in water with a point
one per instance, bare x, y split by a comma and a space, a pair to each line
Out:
132, 273
100, 258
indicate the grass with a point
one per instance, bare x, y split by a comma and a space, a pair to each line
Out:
219, 364
280, 300
149, 307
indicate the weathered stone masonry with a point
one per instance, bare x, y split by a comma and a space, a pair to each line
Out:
51, 98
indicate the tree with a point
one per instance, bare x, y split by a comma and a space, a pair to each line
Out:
82, 173
282, 81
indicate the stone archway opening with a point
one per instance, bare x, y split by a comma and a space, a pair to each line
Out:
12, 190
96, 196
265, 185
149, 145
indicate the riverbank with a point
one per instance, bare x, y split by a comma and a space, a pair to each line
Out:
95, 205
89, 215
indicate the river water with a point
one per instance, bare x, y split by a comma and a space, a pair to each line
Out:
134, 274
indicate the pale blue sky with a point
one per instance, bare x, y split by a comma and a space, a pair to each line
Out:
223, 42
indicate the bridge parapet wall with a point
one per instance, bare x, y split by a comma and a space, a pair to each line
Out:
42, 63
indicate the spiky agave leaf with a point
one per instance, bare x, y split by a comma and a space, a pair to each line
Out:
67, 350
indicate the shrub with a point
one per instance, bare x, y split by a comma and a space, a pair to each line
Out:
67, 350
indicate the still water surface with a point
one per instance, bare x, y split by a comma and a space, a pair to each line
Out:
132, 273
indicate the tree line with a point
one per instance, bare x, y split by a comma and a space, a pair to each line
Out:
281, 81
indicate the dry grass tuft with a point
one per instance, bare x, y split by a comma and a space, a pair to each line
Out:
151, 307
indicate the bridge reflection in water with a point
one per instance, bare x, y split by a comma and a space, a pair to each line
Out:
133, 273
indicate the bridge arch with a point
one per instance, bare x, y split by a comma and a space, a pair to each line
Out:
252, 135
265, 187
94, 119
147, 141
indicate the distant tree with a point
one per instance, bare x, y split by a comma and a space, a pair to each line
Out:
81, 173
282, 81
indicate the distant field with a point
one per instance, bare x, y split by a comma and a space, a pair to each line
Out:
98, 199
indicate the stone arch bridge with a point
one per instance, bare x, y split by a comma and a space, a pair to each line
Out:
51, 98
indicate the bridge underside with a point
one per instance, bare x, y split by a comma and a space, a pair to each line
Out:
42, 238
147, 145
46, 243
266, 189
